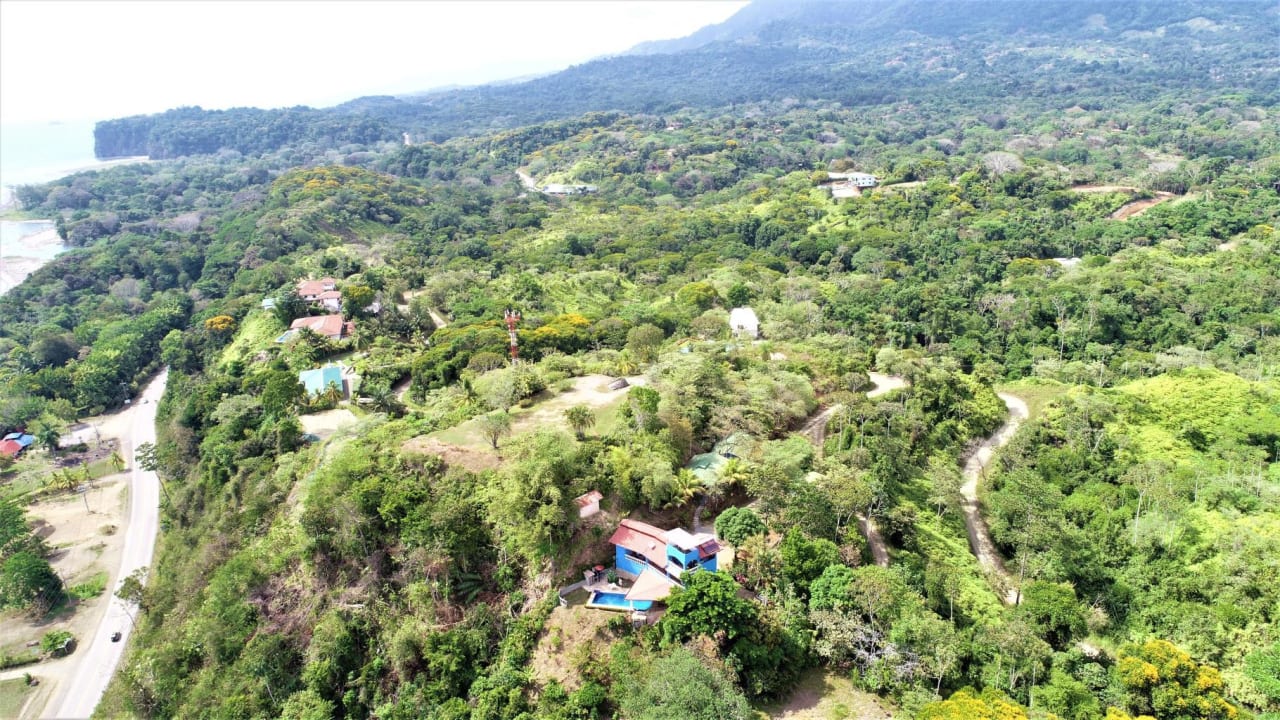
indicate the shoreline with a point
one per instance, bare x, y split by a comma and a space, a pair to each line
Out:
40, 176
15, 268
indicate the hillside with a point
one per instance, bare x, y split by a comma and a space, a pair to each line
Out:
853, 54
393, 538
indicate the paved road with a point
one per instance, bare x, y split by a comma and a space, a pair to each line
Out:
975, 466
98, 656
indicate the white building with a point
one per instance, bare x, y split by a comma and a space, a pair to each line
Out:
588, 504
744, 323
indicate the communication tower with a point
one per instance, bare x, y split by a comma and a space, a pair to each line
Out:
513, 317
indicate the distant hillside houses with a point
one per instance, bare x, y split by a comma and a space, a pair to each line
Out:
857, 179
850, 184
558, 189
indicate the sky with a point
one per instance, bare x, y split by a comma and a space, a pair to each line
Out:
84, 61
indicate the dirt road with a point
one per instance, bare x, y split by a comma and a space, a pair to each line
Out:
816, 431
527, 181
98, 657
975, 467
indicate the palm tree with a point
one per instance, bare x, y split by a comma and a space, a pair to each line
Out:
333, 393
580, 419
47, 433
685, 487
117, 462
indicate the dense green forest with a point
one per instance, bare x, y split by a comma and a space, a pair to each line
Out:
1096, 237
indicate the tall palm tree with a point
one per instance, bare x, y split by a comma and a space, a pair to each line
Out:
333, 393
47, 433
580, 419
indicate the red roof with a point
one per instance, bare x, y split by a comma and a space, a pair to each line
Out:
10, 448
644, 539
311, 288
330, 326
592, 497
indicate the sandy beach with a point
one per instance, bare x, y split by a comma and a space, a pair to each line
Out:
34, 252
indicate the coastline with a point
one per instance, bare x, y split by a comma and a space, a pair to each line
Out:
37, 176
32, 253
24, 254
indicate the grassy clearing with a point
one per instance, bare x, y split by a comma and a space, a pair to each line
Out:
259, 328
13, 695
826, 695
1037, 393
90, 588
17, 655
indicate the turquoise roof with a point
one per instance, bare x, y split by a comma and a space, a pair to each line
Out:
317, 380
707, 466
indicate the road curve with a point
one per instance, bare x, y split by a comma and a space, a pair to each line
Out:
975, 467
816, 431
98, 661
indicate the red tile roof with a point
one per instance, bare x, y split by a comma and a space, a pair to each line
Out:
330, 326
10, 448
311, 288
644, 539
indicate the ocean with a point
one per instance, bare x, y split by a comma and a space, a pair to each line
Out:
36, 153
40, 152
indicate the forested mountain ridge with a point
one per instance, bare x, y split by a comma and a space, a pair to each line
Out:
856, 54
1105, 249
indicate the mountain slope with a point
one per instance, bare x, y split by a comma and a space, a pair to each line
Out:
854, 54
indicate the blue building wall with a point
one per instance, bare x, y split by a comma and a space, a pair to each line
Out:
626, 564
633, 566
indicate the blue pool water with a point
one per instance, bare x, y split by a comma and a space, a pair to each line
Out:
618, 600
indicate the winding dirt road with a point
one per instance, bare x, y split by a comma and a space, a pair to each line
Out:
816, 431
975, 467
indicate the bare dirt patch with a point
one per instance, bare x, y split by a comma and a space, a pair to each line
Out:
1104, 188
453, 455
590, 390
324, 424
83, 543
567, 630
1137, 207
824, 694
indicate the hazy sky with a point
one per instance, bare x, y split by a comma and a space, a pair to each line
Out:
98, 60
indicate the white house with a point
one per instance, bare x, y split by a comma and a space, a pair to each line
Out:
744, 323
588, 504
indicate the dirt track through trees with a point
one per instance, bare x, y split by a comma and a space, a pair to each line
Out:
975, 467
816, 431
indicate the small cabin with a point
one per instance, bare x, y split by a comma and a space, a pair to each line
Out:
588, 504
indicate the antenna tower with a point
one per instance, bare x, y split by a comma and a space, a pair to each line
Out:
513, 317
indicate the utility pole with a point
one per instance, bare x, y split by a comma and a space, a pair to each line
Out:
512, 317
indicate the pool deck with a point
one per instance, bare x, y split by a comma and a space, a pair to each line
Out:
606, 586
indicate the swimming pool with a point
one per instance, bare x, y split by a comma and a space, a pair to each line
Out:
617, 601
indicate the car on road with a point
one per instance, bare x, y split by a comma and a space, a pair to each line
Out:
115, 636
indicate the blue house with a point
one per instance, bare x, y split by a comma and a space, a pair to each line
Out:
24, 440
318, 380
655, 559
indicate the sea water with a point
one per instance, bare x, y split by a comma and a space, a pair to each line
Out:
37, 153
41, 152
